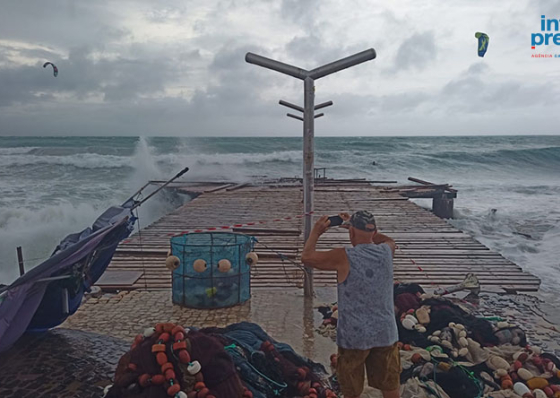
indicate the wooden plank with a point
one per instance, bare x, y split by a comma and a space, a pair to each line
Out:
236, 187
119, 278
219, 188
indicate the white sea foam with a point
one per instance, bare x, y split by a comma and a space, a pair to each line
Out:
38, 231
40, 226
17, 150
145, 160
82, 161
528, 238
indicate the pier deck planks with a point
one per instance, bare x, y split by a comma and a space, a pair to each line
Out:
431, 251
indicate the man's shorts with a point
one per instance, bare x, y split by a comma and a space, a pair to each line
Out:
383, 366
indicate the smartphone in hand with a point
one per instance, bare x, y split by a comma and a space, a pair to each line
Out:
335, 221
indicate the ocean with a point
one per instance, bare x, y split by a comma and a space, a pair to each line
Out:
52, 186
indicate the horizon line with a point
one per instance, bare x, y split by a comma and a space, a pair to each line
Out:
280, 136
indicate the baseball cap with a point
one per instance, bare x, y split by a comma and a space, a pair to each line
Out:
362, 220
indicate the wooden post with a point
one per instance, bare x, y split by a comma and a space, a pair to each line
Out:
20, 261
442, 206
308, 170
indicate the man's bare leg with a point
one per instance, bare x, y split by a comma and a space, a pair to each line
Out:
391, 394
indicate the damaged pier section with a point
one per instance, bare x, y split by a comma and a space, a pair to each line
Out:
430, 251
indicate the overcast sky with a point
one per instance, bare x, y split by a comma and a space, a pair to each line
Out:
172, 67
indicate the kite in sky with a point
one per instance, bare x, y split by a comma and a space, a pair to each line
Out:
483, 40
55, 69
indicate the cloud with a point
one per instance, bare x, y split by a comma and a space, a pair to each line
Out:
61, 23
81, 76
479, 90
416, 52
551, 9
301, 13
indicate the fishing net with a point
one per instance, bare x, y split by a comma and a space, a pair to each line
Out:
213, 270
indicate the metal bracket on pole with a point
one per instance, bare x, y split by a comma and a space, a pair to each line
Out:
299, 108
308, 110
294, 116
300, 118
323, 105
290, 105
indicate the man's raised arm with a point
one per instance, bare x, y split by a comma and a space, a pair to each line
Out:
330, 260
380, 238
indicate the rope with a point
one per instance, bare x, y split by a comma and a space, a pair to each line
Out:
141, 251
417, 266
231, 349
36, 258
239, 225
283, 258
470, 375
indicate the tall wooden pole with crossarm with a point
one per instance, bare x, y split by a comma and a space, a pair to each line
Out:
309, 77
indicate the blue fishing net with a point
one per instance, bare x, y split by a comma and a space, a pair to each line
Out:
214, 287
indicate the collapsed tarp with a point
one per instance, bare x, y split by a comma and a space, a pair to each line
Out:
240, 360
46, 295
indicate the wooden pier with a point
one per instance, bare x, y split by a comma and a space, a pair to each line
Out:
430, 250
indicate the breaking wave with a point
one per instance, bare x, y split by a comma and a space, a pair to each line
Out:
548, 157
17, 150
81, 161
96, 161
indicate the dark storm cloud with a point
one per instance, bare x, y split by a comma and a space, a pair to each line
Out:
551, 9
403, 102
416, 52
238, 86
311, 51
167, 14
304, 47
82, 76
301, 13
478, 91
60, 22
232, 103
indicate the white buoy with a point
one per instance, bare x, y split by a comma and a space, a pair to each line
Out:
252, 258
408, 323
148, 332
172, 263
194, 367
224, 265
412, 318
521, 389
106, 389
199, 265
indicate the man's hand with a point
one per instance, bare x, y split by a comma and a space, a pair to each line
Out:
345, 217
321, 225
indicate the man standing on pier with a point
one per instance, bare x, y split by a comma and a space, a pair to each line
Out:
367, 331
